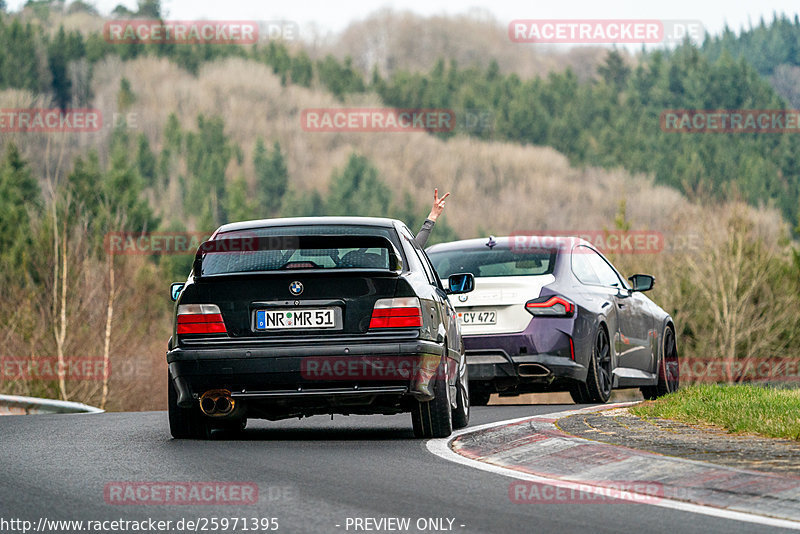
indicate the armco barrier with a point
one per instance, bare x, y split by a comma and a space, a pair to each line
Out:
16, 405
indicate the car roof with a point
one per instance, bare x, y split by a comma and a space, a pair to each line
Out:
505, 242
309, 221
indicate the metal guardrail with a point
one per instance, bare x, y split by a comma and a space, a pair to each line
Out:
16, 405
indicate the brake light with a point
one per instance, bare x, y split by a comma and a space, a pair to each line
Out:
550, 306
404, 312
200, 319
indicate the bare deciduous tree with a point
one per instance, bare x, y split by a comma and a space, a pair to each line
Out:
745, 309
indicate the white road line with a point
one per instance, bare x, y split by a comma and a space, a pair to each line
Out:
441, 448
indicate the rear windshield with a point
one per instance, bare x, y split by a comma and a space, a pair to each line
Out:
493, 262
290, 255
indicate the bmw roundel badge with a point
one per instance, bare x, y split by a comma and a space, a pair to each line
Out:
296, 288
463, 298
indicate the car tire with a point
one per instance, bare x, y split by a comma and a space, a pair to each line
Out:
668, 370
434, 418
599, 378
185, 423
579, 393
461, 414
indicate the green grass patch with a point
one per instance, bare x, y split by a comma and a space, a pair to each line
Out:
766, 411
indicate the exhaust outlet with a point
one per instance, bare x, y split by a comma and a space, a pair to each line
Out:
533, 370
207, 405
224, 405
217, 402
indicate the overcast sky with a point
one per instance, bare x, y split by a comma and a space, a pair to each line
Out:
334, 15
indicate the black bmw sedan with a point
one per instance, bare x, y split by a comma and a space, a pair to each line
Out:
285, 318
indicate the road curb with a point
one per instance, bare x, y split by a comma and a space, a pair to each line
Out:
534, 449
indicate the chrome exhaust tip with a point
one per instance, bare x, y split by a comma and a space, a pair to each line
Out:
217, 403
224, 405
207, 405
533, 370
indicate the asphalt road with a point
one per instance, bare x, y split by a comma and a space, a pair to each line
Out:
312, 475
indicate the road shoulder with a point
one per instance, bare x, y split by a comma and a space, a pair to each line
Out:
707, 444
536, 447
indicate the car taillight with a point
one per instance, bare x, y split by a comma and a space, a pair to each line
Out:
200, 319
404, 312
550, 306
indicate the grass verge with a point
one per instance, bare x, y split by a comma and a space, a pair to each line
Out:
766, 411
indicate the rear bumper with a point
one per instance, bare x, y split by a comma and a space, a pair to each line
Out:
497, 365
318, 373
537, 359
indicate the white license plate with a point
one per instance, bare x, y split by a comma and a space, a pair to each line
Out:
296, 318
478, 318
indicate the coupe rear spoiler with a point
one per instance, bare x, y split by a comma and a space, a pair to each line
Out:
247, 244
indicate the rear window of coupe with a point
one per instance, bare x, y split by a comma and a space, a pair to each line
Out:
493, 262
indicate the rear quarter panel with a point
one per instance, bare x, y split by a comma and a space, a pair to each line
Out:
594, 307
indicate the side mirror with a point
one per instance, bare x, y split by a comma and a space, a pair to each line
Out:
642, 282
460, 283
175, 290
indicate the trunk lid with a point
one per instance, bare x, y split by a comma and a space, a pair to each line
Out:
503, 296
